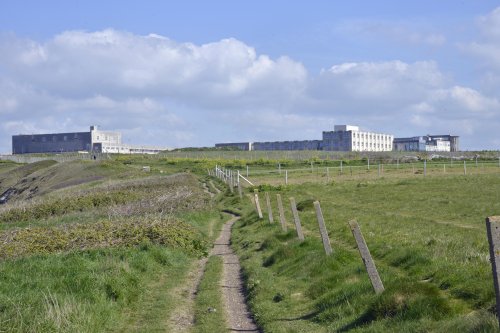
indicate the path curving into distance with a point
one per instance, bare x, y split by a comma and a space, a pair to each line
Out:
238, 316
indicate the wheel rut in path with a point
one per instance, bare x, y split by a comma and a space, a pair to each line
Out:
238, 316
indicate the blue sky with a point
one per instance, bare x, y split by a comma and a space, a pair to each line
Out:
193, 73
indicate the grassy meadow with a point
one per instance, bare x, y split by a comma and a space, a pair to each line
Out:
103, 246
98, 246
426, 235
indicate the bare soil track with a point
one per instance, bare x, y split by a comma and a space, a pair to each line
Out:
238, 316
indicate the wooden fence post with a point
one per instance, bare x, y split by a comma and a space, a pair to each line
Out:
296, 219
367, 258
322, 229
286, 177
240, 192
493, 231
281, 212
269, 209
230, 181
257, 204
425, 168
465, 168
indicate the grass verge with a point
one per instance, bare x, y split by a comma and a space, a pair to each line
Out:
209, 309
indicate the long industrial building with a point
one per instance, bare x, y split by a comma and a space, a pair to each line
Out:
342, 138
94, 140
350, 138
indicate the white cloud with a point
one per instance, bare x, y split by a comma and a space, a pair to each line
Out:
158, 91
487, 45
490, 23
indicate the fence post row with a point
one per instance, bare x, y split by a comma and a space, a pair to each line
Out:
269, 209
281, 212
493, 232
367, 258
322, 229
296, 219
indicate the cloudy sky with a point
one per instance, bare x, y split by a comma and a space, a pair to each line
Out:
199, 72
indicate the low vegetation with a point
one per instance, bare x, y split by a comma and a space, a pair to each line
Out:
426, 235
102, 248
42, 240
209, 309
99, 255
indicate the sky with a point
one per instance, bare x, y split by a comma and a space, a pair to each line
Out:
194, 73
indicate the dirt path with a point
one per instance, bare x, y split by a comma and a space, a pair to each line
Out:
238, 316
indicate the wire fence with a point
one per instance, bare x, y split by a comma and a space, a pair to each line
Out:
345, 171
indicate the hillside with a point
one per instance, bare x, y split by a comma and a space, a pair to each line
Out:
98, 246
106, 246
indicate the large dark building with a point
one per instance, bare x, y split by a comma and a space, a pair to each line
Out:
94, 140
51, 143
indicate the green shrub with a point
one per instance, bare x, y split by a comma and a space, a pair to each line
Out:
43, 240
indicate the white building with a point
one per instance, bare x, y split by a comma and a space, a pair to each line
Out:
350, 138
111, 142
438, 145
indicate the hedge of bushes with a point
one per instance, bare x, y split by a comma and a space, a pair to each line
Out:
42, 240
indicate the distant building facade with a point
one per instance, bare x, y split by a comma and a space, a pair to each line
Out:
350, 138
433, 143
237, 145
94, 140
343, 138
288, 145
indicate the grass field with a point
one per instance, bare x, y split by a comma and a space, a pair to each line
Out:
427, 237
99, 246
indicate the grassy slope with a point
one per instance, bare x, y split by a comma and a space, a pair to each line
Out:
427, 237
103, 289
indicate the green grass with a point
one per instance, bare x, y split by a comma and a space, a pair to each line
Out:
209, 309
428, 240
88, 291
101, 247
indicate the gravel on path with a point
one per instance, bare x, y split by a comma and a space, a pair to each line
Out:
238, 316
